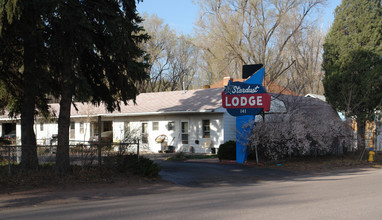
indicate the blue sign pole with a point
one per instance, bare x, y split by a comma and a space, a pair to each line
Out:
243, 132
243, 128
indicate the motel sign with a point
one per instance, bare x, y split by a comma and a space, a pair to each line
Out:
245, 99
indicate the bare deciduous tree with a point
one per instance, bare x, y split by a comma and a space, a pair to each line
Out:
236, 32
306, 49
172, 58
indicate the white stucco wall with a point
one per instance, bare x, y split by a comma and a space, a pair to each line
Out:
18, 134
173, 136
43, 136
83, 135
229, 125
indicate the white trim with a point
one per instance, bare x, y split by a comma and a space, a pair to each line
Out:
10, 119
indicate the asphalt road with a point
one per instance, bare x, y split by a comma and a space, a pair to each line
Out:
351, 194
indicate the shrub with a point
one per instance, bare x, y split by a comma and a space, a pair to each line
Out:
179, 156
130, 162
146, 167
310, 128
227, 151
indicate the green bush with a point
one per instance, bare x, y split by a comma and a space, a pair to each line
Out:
122, 163
146, 167
227, 151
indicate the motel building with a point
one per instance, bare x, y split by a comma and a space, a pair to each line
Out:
190, 121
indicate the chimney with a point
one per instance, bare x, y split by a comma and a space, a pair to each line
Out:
226, 79
184, 87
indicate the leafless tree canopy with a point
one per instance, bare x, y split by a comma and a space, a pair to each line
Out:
172, 57
279, 34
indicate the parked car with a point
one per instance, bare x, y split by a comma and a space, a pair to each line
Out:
106, 136
4, 141
10, 136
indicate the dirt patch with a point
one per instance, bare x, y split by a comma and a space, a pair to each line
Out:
317, 164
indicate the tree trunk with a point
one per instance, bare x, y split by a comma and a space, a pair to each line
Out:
361, 133
29, 160
62, 157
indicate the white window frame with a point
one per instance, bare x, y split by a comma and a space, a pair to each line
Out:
185, 133
82, 127
206, 128
155, 126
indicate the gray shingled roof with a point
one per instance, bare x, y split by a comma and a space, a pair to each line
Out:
200, 100
192, 101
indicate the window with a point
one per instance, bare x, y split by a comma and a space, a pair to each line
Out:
128, 136
41, 126
144, 133
171, 126
107, 126
72, 131
94, 128
155, 126
81, 127
184, 132
72, 126
127, 127
206, 128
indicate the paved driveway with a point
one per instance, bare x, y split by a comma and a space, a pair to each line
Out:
210, 174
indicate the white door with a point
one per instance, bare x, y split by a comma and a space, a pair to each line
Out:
145, 133
184, 129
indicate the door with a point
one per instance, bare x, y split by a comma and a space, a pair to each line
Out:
184, 134
145, 134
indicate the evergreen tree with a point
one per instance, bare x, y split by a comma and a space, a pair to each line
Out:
81, 49
352, 60
95, 58
23, 67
